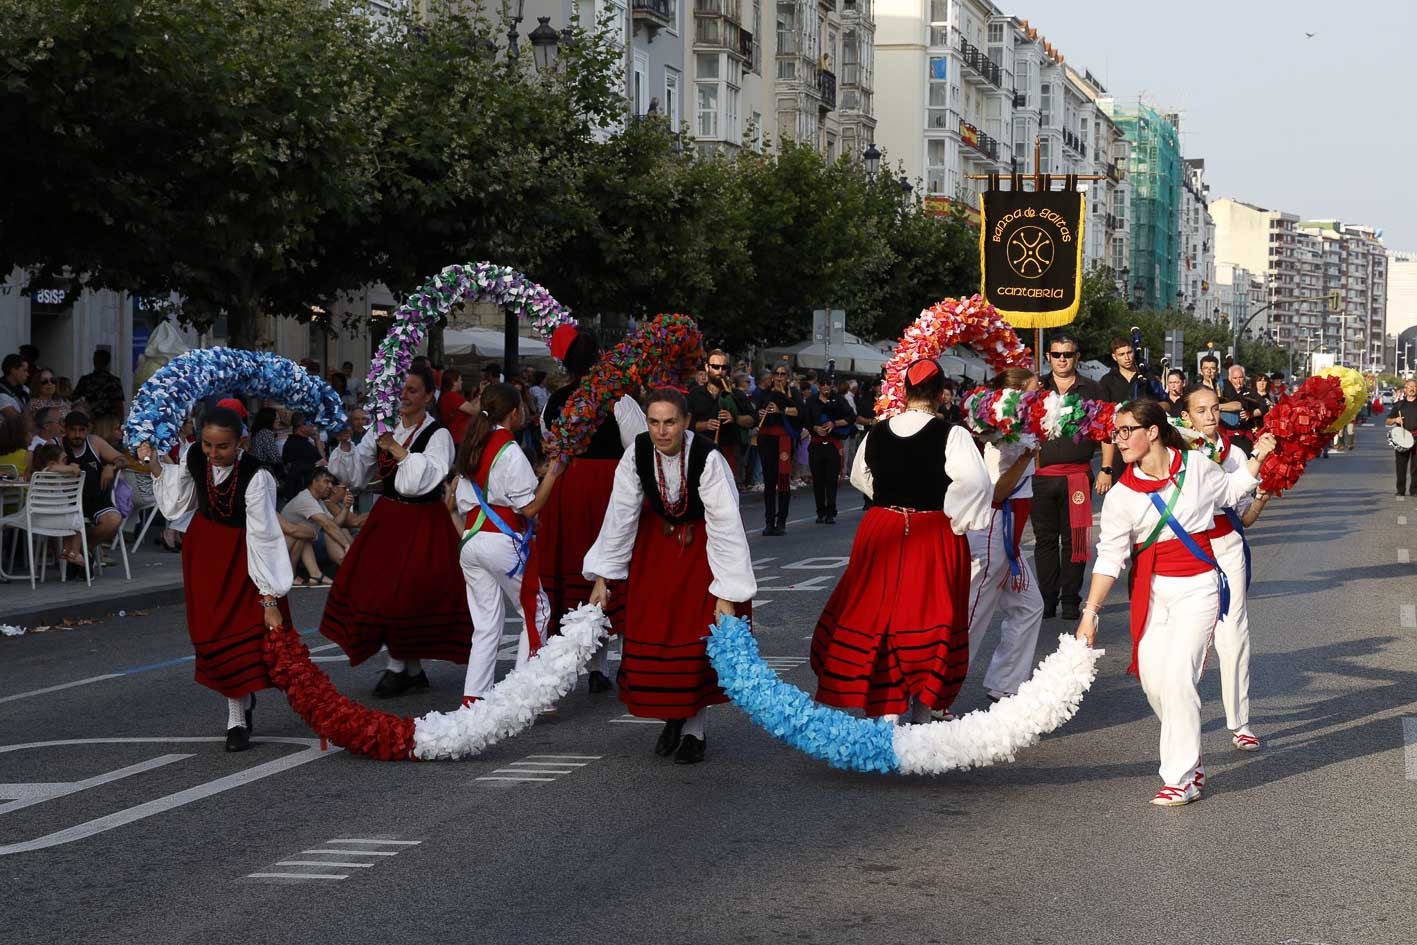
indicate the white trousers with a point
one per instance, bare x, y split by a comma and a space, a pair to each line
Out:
1172, 654
1232, 634
486, 558
990, 589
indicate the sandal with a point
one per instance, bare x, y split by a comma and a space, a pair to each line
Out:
299, 582
324, 581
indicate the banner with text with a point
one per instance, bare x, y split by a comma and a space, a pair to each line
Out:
1030, 255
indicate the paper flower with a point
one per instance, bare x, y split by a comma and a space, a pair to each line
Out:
1046, 701
973, 322
1302, 423
1355, 394
469, 282
163, 402
1032, 417
657, 355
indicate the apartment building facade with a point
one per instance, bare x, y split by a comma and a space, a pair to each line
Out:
1354, 273
1195, 269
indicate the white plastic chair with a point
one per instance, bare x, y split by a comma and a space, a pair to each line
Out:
116, 544
143, 501
55, 494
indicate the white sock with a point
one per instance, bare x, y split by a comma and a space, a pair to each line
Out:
396, 665
413, 667
235, 713
697, 724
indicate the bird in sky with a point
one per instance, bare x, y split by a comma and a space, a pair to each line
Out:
1310, 35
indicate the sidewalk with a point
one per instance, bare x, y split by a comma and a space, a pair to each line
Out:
157, 580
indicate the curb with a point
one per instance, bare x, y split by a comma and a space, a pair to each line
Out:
94, 609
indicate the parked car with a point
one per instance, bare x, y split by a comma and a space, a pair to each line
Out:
1387, 396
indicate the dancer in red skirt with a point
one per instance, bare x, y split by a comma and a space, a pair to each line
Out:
575, 512
235, 569
399, 584
673, 528
895, 633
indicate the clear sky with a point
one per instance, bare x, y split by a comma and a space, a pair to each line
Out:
1322, 127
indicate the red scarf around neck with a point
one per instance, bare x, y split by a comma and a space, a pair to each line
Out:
1136, 483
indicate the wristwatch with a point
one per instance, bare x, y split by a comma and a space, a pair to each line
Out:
1106, 469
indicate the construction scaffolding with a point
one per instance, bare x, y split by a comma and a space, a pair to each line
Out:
1155, 175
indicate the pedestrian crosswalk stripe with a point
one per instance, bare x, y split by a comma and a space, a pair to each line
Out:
540, 768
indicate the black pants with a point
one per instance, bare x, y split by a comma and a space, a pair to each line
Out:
1059, 577
1406, 462
824, 459
774, 505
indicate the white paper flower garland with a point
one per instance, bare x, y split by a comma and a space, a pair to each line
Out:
512, 705
1043, 703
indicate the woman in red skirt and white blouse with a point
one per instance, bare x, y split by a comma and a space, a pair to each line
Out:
673, 529
400, 585
895, 634
235, 569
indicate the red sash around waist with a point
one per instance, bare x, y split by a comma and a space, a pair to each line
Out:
1167, 559
1223, 527
1079, 504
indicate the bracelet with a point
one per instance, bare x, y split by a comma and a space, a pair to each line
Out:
270, 601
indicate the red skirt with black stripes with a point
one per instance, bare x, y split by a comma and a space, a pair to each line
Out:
897, 625
665, 671
567, 526
401, 586
224, 616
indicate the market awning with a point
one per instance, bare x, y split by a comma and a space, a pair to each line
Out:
486, 343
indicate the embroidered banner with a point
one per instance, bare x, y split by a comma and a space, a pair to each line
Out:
1030, 255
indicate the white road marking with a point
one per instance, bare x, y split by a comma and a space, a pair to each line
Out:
1408, 616
829, 563
553, 764
361, 866
67, 685
39, 793
1409, 745
571, 757
387, 843
1404, 556
297, 876
1402, 520
759, 603
555, 771
759, 562
495, 777
631, 720
357, 852
122, 818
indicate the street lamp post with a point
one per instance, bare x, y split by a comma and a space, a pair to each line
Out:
872, 157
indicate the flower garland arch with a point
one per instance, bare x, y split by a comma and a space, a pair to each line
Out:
657, 355
163, 402
461, 282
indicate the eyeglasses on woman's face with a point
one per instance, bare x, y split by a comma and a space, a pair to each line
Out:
1124, 433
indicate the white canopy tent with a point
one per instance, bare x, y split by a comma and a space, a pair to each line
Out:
486, 343
852, 355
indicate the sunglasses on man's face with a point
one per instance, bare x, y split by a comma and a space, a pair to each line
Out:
717, 367
1063, 355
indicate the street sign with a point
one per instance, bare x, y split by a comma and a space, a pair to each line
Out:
1175, 346
829, 325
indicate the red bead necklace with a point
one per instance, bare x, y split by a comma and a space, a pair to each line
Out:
221, 499
678, 506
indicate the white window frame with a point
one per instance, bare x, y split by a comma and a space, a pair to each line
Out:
673, 84
639, 84
706, 118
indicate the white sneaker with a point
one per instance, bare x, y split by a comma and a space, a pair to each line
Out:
1170, 796
1245, 741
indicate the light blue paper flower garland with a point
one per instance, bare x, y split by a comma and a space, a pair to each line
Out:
165, 399
463, 282
1043, 703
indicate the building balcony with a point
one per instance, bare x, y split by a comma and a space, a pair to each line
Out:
826, 83
653, 14
983, 67
719, 32
1020, 99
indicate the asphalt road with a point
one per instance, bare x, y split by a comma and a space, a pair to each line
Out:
1309, 841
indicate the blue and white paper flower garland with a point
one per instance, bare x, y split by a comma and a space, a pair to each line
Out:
1050, 698
463, 282
163, 402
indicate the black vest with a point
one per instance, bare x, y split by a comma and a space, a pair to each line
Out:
604, 442
699, 451
246, 468
419, 444
909, 471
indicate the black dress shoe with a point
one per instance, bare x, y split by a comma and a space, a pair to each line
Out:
417, 683
598, 682
669, 738
691, 750
394, 683
238, 739
1071, 612
821, 519
1050, 611
831, 519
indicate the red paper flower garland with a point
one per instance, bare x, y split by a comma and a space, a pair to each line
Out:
330, 714
658, 355
1299, 423
973, 322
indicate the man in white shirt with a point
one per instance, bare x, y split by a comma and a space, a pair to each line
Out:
308, 508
